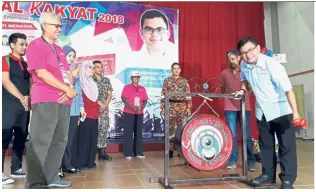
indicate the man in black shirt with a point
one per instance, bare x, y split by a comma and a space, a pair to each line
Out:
15, 104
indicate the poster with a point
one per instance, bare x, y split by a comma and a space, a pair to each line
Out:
124, 37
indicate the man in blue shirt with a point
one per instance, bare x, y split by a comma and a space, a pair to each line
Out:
275, 110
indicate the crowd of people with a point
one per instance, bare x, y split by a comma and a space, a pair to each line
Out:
70, 109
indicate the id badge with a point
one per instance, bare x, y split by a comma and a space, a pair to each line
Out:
65, 76
137, 101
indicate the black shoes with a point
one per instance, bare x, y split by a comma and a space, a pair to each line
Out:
286, 185
170, 154
104, 156
73, 171
263, 179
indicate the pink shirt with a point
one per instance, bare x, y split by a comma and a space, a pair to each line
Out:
130, 92
232, 80
40, 56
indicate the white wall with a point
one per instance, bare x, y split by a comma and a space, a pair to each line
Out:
289, 28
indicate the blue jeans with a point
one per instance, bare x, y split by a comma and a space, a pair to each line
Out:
231, 120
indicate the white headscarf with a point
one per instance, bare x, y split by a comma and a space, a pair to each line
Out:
88, 85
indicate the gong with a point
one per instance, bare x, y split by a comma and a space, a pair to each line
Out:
206, 142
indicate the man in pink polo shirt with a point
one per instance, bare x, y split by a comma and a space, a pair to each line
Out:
51, 95
231, 78
135, 99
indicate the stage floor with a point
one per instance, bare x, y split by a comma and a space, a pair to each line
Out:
135, 174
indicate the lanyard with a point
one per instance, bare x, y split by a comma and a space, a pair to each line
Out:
136, 88
53, 50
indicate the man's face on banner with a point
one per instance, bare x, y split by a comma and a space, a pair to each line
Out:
155, 33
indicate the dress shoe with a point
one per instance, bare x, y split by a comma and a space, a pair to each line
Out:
73, 171
286, 185
104, 156
263, 179
170, 154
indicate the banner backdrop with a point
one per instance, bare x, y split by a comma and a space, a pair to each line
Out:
124, 37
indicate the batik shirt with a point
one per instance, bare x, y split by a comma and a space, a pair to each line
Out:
104, 86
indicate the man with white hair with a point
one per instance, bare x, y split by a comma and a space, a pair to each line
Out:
51, 95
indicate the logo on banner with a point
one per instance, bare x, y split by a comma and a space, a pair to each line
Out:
207, 142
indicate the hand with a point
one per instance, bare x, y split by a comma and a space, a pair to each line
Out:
25, 102
238, 93
83, 114
136, 109
70, 92
189, 112
63, 98
101, 105
75, 72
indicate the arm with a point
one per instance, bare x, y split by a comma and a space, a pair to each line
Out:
6, 81
281, 80
49, 79
108, 99
10, 87
145, 100
292, 101
144, 104
125, 101
70, 77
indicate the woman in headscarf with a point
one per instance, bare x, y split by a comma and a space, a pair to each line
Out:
88, 128
76, 111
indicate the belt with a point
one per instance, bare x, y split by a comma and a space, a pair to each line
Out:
176, 101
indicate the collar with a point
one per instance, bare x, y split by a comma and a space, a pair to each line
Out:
260, 63
96, 78
173, 77
15, 58
237, 71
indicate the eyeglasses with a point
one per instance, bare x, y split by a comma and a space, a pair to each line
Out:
56, 25
159, 30
250, 51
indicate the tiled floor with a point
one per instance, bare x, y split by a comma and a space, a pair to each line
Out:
135, 174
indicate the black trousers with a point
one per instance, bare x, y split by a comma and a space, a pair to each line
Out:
133, 123
14, 118
86, 141
285, 133
68, 157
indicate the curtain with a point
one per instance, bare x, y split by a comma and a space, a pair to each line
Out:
207, 30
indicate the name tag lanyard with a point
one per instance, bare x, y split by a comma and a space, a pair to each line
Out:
137, 98
65, 76
54, 51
